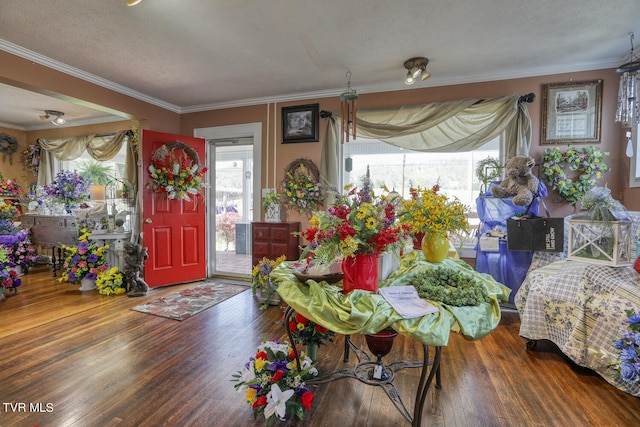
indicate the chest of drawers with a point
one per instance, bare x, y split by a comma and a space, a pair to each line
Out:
273, 239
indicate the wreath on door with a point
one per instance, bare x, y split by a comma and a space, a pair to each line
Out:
301, 188
175, 169
588, 162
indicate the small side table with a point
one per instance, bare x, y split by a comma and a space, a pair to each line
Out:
116, 241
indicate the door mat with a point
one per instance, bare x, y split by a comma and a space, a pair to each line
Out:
191, 301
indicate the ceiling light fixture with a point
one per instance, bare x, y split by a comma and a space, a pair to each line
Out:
348, 109
416, 67
57, 117
628, 110
133, 2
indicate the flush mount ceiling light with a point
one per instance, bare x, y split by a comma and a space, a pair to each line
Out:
416, 67
133, 2
55, 116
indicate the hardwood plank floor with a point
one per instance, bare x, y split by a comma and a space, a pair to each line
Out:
88, 360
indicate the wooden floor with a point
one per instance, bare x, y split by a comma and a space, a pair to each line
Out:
81, 359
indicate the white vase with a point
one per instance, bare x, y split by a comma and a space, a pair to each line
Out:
87, 284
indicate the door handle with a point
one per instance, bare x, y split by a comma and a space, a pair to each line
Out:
148, 221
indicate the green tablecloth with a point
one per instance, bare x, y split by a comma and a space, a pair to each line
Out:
362, 312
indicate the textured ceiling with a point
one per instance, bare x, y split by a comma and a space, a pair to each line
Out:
201, 54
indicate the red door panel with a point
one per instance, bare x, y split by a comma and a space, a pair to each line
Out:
174, 230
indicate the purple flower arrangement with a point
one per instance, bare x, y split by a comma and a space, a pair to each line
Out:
8, 276
69, 188
628, 368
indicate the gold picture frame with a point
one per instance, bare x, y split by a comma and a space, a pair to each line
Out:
571, 112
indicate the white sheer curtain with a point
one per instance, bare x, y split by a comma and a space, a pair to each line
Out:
100, 148
439, 127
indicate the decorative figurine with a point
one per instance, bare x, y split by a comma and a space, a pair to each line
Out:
135, 254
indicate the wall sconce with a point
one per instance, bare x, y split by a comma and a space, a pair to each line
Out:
628, 110
55, 116
416, 67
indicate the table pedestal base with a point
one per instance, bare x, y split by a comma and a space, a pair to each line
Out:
363, 372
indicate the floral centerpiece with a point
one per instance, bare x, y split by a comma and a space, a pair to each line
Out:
301, 189
430, 212
8, 209
358, 222
306, 332
274, 385
588, 161
9, 187
69, 188
8, 276
178, 176
85, 260
627, 369
22, 252
260, 279
111, 282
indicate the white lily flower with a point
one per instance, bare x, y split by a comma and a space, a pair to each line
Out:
246, 375
152, 169
194, 169
176, 168
276, 402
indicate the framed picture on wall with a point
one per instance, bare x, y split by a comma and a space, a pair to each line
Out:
571, 112
300, 123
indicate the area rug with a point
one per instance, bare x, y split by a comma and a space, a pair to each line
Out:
189, 302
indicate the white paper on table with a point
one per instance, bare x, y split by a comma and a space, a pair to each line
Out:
406, 301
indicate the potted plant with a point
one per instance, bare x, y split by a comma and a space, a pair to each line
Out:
308, 333
111, 282
119, 222
84, 261
261, 284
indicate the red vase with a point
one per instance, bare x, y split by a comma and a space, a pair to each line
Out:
360, 272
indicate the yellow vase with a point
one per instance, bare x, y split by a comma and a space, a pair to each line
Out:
435, 247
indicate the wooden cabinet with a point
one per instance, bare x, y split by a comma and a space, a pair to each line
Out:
51, 231
272, 239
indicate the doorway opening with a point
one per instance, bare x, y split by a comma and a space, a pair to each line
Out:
233, 197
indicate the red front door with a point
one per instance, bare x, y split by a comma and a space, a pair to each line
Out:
174, 229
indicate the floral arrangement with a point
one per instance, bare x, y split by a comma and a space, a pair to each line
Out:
260, 278
274, 385
301, 191
589, 161
8, 209
85, 260
8, 228
9, 187
180, 177
271, 198
68, 187
306, 332
111, 282
23, 253
431, 212
31, 158
358, 222
628, 367
8, 276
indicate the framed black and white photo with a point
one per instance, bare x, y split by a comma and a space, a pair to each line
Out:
300, 123
571, 112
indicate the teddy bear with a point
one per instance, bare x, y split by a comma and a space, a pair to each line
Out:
519, 182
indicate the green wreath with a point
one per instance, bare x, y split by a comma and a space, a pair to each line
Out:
8, 144
588, 161
489, 169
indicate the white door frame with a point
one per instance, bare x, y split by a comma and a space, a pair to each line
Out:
228, 132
